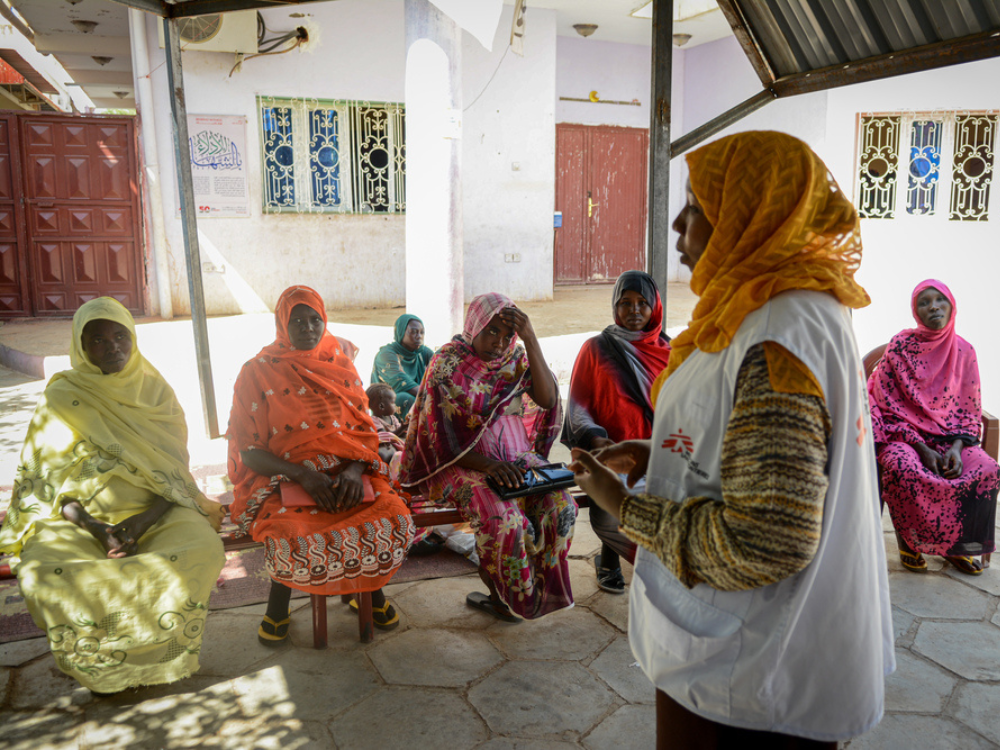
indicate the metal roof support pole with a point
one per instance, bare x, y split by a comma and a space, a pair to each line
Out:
189, 223
659, 147
435, 268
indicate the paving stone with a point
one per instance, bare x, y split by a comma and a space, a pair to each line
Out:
917, 686
996, 617
423, 718
900, 732
230, 646
585, 542
541, 699
978, 706
260, 609
21, 652
583, 579
936, 596
612, 607
41, 685
270, 733
441, 604
574, 634
628, 728
306, 683
988, 581
970, 649
617, 666
189, 713
902, 621
35, 730
440, 658
511, 743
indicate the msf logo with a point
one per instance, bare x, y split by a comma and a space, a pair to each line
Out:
678, 442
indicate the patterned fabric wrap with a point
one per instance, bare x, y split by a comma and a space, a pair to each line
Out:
309, 407
462, 395
780, 222
613, 374
927, 382
399, 367
926, 390
89, 428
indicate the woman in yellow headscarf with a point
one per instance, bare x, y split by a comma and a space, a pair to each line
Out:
759, 604
114, 545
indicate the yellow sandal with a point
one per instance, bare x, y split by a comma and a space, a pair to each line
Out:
271, 633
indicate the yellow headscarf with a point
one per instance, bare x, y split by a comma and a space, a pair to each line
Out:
89, 427
780, 222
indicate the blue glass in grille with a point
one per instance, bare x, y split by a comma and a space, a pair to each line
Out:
279, 157
324, 157
925, 166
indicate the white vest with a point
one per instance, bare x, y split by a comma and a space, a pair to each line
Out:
807, 655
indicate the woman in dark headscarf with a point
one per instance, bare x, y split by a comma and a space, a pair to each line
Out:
609, 397
402, 363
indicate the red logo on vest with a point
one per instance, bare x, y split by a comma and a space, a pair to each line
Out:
679, 442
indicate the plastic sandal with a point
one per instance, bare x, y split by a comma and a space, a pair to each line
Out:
271, 633
482, 602
384, 618
965, 564
913, 561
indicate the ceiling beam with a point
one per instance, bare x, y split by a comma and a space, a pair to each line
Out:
938, 55
156, 7
82, 44
101, 77
744, 35
713, 126
203, 7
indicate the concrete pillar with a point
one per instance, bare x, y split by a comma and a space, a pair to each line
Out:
434, 256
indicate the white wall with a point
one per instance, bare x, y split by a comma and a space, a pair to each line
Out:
355, 260
508, 160
615, 71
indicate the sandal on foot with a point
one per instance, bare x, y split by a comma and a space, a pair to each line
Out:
271, 633
609, 580
483, 602
913, 561
384, 618
965, 564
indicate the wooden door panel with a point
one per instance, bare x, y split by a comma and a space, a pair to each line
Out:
570, 266
82, 211
617, 181
14, 294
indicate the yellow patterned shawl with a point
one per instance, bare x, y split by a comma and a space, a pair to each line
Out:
89, 427
780, 222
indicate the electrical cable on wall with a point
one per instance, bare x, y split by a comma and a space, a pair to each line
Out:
299, 37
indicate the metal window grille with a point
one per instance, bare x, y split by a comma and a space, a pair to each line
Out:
972, 166
947, 154
332, 156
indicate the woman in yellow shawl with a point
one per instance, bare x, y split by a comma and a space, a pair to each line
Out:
114, 545
759, 603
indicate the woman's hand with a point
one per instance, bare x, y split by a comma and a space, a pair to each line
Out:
348, 489
627, 457
520, 322
600, 442
114, 545
601, 484
931, 459
318, 485
951, 462
505, 474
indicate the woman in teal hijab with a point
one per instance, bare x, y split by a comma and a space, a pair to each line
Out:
401, 364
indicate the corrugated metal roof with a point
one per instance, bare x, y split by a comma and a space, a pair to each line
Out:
798, 36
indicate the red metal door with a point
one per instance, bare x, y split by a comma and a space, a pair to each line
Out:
82, 211
601, 188
14, 298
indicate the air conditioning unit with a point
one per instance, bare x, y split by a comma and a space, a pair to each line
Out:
219, 32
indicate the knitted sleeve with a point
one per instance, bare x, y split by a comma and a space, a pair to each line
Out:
767, 525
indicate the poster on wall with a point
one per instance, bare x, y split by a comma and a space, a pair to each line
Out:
218, 165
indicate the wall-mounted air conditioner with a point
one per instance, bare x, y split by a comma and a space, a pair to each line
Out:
219, 32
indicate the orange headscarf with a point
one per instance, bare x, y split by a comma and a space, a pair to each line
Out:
302, 406
780, 222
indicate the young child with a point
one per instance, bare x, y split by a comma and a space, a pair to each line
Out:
382, 405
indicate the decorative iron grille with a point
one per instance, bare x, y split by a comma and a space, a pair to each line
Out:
972, 166
878, 167
925, 166
349, 156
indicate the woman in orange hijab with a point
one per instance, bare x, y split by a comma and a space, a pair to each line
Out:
300, 417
